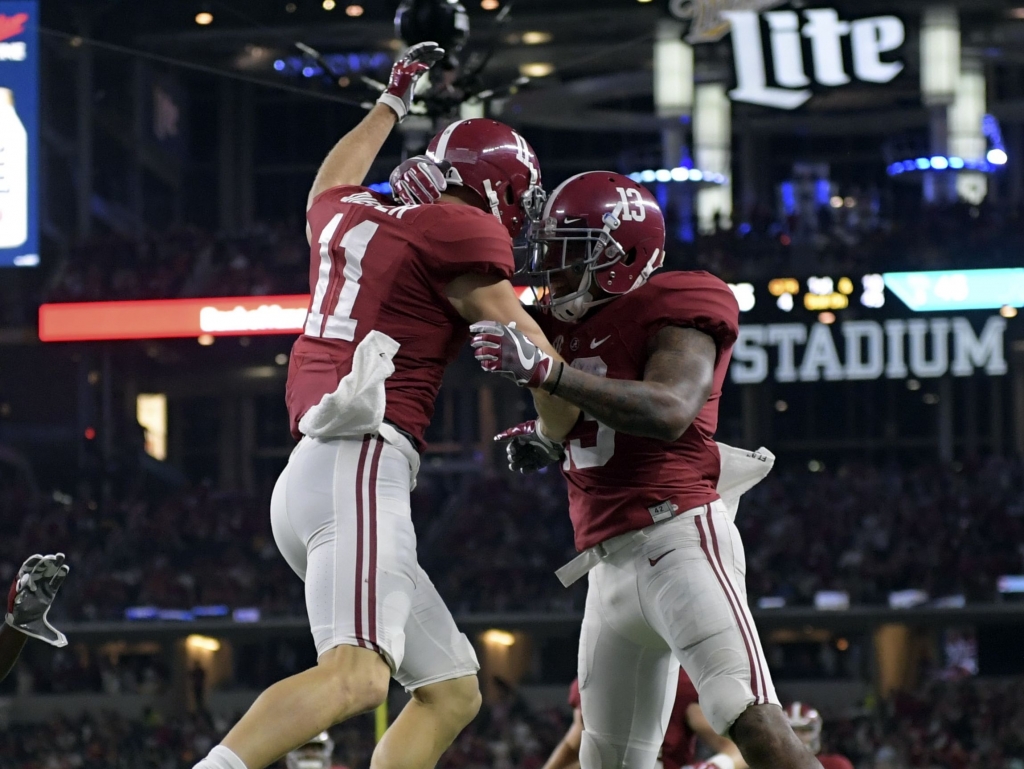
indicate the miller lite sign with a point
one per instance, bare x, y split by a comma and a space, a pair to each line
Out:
780, 54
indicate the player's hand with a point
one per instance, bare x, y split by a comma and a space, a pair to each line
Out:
32, 594
529, 449
407, 71
508, 351
419, 181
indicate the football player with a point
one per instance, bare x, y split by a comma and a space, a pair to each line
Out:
318, 753
645, 360
28, 604
807, 722
393, 291
686, 723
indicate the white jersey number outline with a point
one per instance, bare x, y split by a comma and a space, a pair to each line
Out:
340, 324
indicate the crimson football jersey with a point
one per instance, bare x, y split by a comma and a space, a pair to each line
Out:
680, 745
834, 761
619, 483
378, 266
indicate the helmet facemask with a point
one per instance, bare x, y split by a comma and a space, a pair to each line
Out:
561, 257
315, 754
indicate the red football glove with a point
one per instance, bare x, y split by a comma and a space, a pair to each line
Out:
529, 449
508, 351
419, 181
406, 73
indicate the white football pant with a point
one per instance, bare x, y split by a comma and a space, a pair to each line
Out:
676, 589
341, 518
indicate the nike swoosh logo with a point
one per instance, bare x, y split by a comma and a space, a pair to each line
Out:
571, 220
527, 363
595, 343
654, 561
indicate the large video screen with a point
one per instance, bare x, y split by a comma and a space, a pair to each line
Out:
19, 134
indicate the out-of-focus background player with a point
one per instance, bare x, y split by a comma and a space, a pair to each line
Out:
807, 723
686, 725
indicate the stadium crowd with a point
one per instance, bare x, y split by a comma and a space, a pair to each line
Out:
966, 724
272, 259
867, 530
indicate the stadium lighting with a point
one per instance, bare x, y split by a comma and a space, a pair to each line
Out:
536, 69
997, 157
498, 638
536, 38
986, 165
204, 19
354, 11
940, 55
202, 642
329, 5
489, 5
673, 71
679, 175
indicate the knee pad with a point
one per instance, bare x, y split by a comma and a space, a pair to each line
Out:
724, 698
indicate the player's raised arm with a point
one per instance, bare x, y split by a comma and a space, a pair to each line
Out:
350, 159
479, 297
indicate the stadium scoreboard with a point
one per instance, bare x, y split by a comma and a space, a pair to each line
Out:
897, 325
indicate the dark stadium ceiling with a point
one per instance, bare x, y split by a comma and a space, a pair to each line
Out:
600, 51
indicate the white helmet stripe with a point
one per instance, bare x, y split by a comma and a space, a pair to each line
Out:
523, 156
444, 138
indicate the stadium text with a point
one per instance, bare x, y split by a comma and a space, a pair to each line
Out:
895, 349
869, 39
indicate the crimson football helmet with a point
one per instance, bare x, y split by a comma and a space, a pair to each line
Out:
602, 229
318, 753
807, 723
496, 163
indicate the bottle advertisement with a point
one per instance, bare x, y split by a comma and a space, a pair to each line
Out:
19, 134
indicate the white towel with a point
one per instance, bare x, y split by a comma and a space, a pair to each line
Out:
741, 471
356, 407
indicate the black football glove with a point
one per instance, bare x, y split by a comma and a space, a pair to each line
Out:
529, 450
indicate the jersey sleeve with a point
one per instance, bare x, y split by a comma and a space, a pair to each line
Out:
574, 694
458, 240
695, 300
